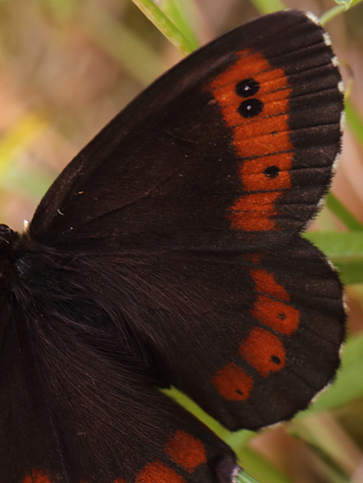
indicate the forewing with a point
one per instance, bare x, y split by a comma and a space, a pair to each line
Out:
234, 145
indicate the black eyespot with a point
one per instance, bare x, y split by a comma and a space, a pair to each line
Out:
238, 391
250, 107
276, 360
272, 171
281, 316
247, 87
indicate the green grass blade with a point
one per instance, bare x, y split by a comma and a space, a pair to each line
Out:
244, 477
238, 441
354, 121
268, 6
122, 44
328, 441
166, 27
345, 250
262, 470
339, 210
348, 385
235, 440
177, 12
198, 412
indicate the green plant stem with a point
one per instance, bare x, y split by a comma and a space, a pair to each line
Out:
330, 14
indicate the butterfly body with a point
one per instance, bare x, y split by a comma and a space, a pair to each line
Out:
168, 253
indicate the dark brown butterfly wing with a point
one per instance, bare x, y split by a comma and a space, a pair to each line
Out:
168, 252
77, 405
252, 338
181, 167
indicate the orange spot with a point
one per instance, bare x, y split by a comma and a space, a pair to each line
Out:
120, 480
254, 212
254, 178
279, 316
233, 383
274, 93
261, 141
186, 451
263, 351
158, 472
266, 284
36, 476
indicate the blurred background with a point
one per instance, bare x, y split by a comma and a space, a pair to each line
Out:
68, 66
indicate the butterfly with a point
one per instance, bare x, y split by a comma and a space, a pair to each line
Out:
169, 252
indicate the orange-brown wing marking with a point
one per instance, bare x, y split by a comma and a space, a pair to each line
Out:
279, 316
253, 97
186, 451
276, 314
233, 383
254, 212
36, 476
158, 472
264, 351
266, 284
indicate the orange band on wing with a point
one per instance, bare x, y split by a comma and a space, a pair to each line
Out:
252, 172
254, 212
186, 451
264, 351
266, 284
158, 472
37, 477
233, 383
279, 316
253, 97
